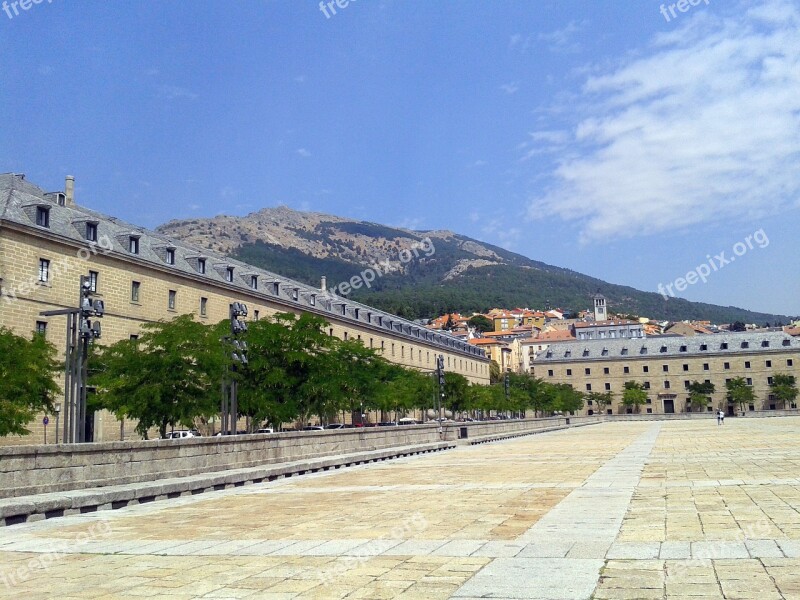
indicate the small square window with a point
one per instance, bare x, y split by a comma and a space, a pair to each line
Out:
133, 245
606, 370
587, 371
43, 216
789, 362
44, 270
135, 287
665, 368
549, 372
666, 385
769, 364
626, 370
749, 381
171, 298
134, 337
726, 366
647, 385
645, 369
747, 364
91, 232
685, 367
588, 387
608, 387
569, 372
703, 347
723, 346
705, 366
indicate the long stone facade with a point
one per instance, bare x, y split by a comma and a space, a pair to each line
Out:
47, 243
667, 365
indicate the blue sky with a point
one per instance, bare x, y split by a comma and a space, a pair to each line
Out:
599, 136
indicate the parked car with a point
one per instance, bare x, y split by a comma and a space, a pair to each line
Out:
313, 428
335, 426
266, 430
387, 424
181, 434
407, 421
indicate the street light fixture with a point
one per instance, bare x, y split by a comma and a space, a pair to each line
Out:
57, 409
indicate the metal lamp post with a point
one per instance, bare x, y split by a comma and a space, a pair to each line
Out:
57, 409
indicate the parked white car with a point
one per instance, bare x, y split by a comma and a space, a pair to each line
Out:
181, 434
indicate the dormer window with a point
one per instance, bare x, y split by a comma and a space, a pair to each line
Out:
133, 244
91, 232
745, 344
683, 348
663, 349
229, 274
43, 216
254, 281
765, 344
201, 266
276, 288
295, 294
723, 346
61, 199
170, 256
312, 299
703, 347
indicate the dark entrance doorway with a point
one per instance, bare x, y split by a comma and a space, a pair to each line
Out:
669, 406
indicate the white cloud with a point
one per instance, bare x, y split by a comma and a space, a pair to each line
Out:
510, 88
563, 40
706, 127
303, 152
174, 92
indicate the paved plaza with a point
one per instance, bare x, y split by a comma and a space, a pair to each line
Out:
639, 510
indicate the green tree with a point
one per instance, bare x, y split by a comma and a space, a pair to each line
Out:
290, 372
600, 399
566, 398
27, 380
740, 393
169, 376
494, 372
456, 397
785, 388
634, 395
481, 323
699, 394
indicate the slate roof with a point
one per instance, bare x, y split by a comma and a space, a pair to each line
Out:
668, 347
20, 198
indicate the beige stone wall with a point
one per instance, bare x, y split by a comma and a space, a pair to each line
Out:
20, 252
611, 375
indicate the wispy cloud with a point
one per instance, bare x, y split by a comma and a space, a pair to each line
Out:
510, 88
174, 92
563, 40
704, 127
303, 152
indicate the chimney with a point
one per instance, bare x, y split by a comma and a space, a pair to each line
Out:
69, 190
324, 284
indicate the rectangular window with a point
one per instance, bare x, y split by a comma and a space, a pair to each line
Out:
705, 366
44, 270
588, 387
170, 256
726, 366
747, 364
43, 216
201, 266
254, 282
789, 362
606, 371
133, 245
134, 337
255, 315
769, 364
41, 328
665, 368
685, 367
135, 285
569, 372
203, 307
749, 381
229, 274
608, 387
549, 372
686, 384
91, 232
171, 299
645, 369
587, 371
626, 370
770, 380
666, 385
93, 275
647, 385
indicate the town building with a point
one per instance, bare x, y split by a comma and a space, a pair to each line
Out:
47, 243
609, 329
665, 366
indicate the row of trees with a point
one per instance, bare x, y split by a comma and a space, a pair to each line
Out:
172, 374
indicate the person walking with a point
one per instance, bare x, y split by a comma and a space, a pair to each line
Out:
719, 422
722, 417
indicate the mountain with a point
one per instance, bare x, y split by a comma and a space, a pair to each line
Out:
440, 271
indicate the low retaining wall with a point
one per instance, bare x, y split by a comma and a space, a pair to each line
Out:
27, 470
